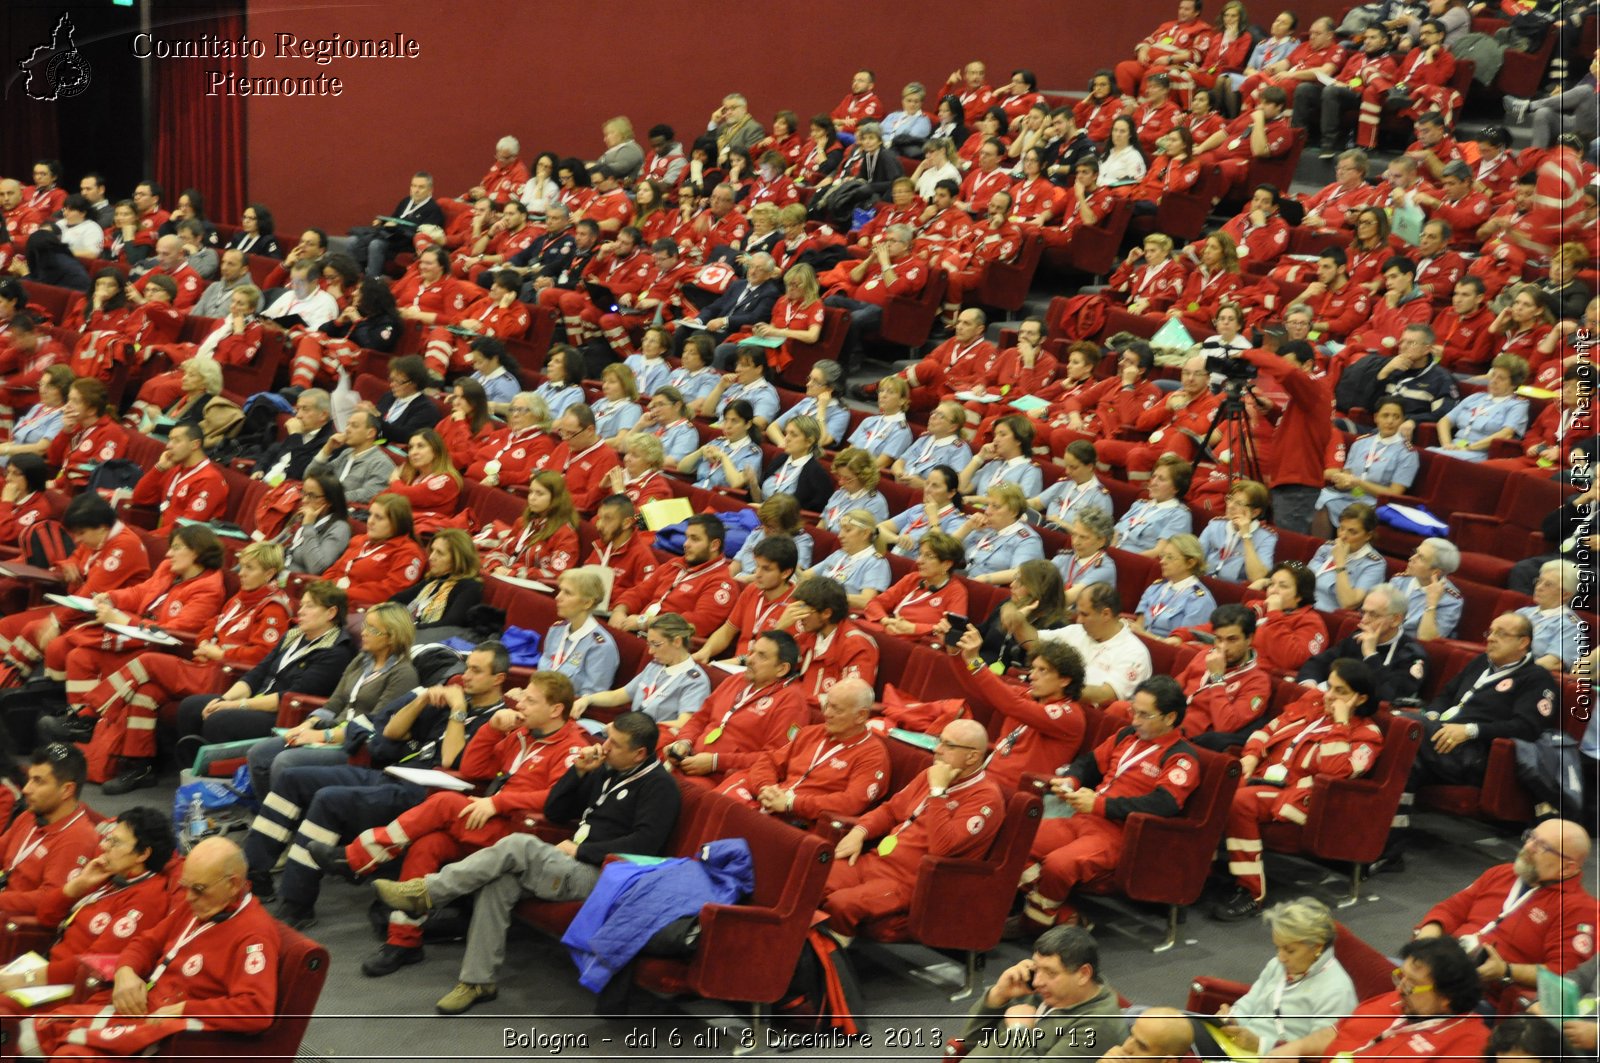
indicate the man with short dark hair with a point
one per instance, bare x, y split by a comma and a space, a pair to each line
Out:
1262, 133
1413, 375
92, 186
622, 801
833, 647
697, 587
372, 245
1227, 686
1295, 470
761, 603
759, 710
861, 103
40, 851
1055, 1003
183, 483
620, 546
354, 456
1115, 660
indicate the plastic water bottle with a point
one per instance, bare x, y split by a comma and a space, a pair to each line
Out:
197, 819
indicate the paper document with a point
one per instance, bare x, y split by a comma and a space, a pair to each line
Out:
144, 634
72, 601
438, 780
518, 581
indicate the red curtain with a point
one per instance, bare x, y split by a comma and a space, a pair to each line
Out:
200, 139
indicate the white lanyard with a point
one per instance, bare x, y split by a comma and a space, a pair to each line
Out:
303, 647
913, 598
581, 835
30, 843
179, 480
1482, 681
1317, 726
787, 473
928, 447
112, 886
823, 754
559, 656
1163, 600
189, 934
915, 812
1376, 452
582, 454
368, 674
764, 611
647, 690
1075, 567
1516, 897
744, 700
689, 573
961, 354
1128, 760
1069, 498
1150, 274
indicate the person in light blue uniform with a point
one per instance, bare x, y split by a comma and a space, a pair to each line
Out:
857, 563
1088, 562
748, 382
671, 686
1433, 603
940, 508
562, 387
650, 366
1239, 546
1479, 421
1008, 458
1163, 514
1079, 491
1380, 463
822, 388
779, 515
732, 461
667, 418
886, 435
695, 379
1178, 598
997, 540
1558, 635
1348, 567
577, 645
856, 473
617, 410
941, 444
493, 368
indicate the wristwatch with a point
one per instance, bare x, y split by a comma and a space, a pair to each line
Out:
458, 717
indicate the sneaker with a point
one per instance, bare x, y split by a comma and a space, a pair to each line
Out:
410, 896
261, 885
390, 958
1516, 108
331, 859
1239, 907
295, 916
134, 778
1328, 152
464, 995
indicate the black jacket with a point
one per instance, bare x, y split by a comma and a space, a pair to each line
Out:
742, 314
422, 413
430, 213
1398, 676
300, 450
315, 673
879, 177
1528, 704
814, 487
635, 817
463, 597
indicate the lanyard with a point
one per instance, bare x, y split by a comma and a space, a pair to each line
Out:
716, 732
178, 481
1317, 726
189, 934
913, 598
111, 887
1127, 761
568, 644
582, 833
824, 754
1376, 451
765, 610
303, 647
1403, 1022
1516, 897
368, 674
923, 804
30, 843
1076, 567
1482, 681
649, 690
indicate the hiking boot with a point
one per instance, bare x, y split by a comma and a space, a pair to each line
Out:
410, 896
69, 729
332, 861
136, 776
390, 958
464, 995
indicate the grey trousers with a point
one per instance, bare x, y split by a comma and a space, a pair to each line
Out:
517, 866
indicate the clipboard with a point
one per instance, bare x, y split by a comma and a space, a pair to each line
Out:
154, 636
73, 601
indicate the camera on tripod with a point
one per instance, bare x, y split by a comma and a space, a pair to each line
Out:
1231, 369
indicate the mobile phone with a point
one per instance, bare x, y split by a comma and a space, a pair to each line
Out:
958, 627
1203, 636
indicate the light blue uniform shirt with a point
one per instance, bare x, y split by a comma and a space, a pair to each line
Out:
841, 502
883, 436
1147, 523
613, 417
1169, 606
1446, 616
913, 524
1557, 632
558, 397
857, 571
746, 457
989, 550
501, 387
838, 416
746, 557
1480, 416
1380, 461
1020, 471
696, 385
1064, 501
587, 656
678, 440
762, 397
1225, 552
926, 452
651, 375
1098, 568
1365, 569
664, 693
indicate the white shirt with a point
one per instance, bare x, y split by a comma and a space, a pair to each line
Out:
1121, 662
83, 238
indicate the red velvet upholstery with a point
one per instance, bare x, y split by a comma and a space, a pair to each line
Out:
1368, 968
907, 320
1005, 284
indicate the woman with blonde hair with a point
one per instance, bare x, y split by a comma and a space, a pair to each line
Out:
617, 409
1178, 598
623, 155
639, 477
886, 435
448, 590
670, 688
857, 564
796, 317
857, 473
577, 645
544, 541
798, 470
996, 538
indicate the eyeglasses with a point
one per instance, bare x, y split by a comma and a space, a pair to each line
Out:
198, 891
1140, 714
942, 744
1399, 978
1538, 845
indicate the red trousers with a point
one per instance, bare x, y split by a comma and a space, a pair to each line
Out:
87, 662
1069, 852
430, 835
870, 889
24, 643
318, 358
1252, 806
162, 390
143, 690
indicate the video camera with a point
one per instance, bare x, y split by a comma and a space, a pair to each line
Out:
1231, 369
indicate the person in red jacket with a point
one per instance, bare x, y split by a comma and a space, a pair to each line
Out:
506, 175
1263, 133
41, 851
1182, 42
953, 809
1146, 767
1228, 686
761, 710
698, 587
23, 502
1103, 407
1438, 267
1337, 305
1462, 328
762, 601
1533, 912
89, 435
235, 341
123, 890
172, 263
1039, 728
1458, 205
970, 86
1334, 206
876, 279
430, 296
919, 601
499, 314
832, 646
582, 457
861, 104
1083, 205
985, 179
836, 768
621, 544
125, 704
967, 264
173, 979
960, 361
518, 754
1171, 426
428, 480
619, 267
183, 482
1320, 54
1302, 434
1155, 114
1260, 235
1423, 76
384, 559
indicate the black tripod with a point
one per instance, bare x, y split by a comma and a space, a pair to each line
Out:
1231, 413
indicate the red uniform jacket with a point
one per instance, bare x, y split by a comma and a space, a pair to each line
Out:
150, 224
857, 107
1335, 204
1203, 292
433, 494
1169, 38
753, 614
1306, 741
1237, 144
196, 493
888, 214
1465, 339
504, 181
41, 859
517, 451
1165, 175
1095, 117
1343, 309
1417, 71
630, 564
504, 322
1153, 123
586, 471
780, 192
1554, 927
1100, 203
173, 604
1033, 738
962, 823
651, 487
372, 571
1230, 702
1260, 245
912, 599
447, 298
702, 595
829, 778
910, 274
962, 367
1379, 1029
623, 275
986, 245
102, 921
1132, 775
91, 445
250, 626
977, 188
705, 232
190, 284
1387, 322
1159, 284
1033, 197
1437, 275
952, 223
850, 653
974, 101
17, 518
523, 767
1380, 69
736, 724
1285, 641
610, 206
120, 561
1464, 216
521, 557
1010, 372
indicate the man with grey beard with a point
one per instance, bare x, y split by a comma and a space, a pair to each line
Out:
1530, 913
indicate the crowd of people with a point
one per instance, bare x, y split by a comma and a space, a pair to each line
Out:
1040, 552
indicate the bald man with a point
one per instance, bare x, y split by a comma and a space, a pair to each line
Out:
834, 768
952, 809
1159, 1035
171, 261
1530, 913
212, 964
20, 219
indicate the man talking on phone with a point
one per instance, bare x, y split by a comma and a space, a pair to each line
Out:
1055, 1003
